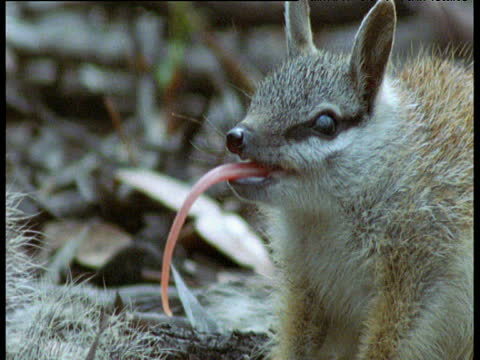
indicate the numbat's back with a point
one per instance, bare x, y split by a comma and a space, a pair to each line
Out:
369, 195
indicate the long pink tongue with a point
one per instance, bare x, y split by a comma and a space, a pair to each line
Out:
216, 175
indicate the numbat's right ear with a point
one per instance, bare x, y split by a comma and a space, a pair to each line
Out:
297, 27
372, 48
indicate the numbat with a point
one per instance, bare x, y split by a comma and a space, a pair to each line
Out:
365, 173
369, 196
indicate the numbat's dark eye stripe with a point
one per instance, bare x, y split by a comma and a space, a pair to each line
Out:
326, 125
323, 125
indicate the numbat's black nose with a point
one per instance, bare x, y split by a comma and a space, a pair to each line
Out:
236, 140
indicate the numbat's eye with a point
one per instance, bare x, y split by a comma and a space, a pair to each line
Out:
325, 124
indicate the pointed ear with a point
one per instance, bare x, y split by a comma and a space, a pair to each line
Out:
297, 27
372, 48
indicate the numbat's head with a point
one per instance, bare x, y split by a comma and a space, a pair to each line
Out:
321, 121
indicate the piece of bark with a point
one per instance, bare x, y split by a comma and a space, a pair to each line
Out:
188, 344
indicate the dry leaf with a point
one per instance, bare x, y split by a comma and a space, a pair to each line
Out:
198, 317
226, 231
103, 241
167, 190
230, 234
